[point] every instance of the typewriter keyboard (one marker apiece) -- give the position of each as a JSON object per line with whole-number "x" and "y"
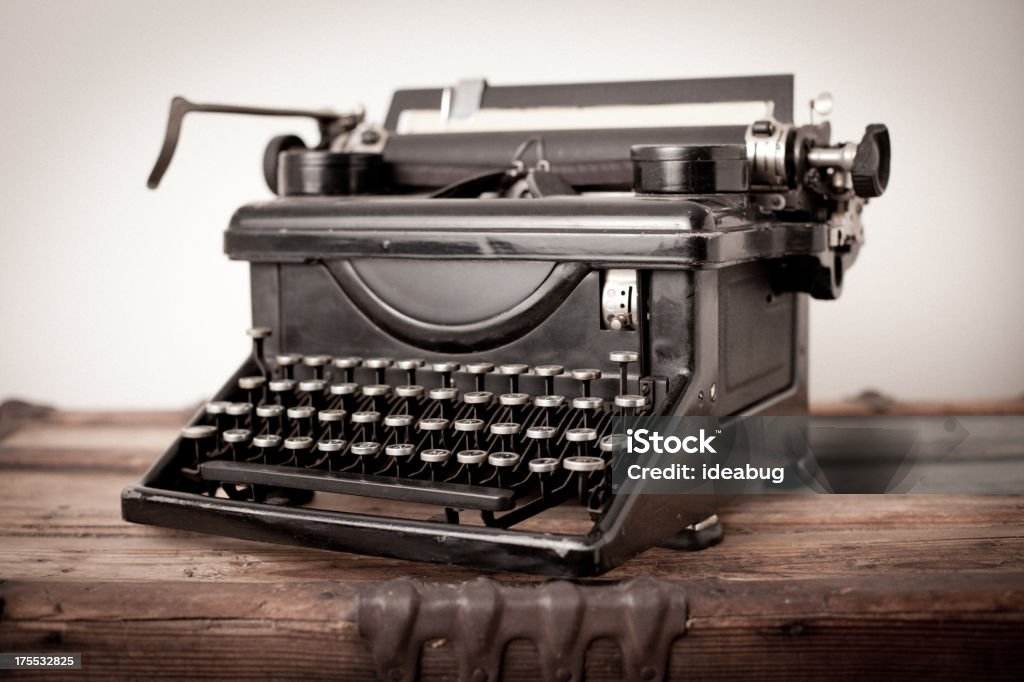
{"x": 462, "y": 436}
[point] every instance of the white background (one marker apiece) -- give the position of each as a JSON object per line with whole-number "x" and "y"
{"x": 115, "y": 296}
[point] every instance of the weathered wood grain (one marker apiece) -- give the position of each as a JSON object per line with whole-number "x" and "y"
{"x": 803, "y": 587}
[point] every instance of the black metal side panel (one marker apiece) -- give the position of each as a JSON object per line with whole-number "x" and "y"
{"x": 757, "y": 336}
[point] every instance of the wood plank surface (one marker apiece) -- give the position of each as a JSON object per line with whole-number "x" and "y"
{"x": 803, "y": 587}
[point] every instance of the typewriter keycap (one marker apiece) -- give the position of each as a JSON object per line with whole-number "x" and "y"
{"x": 347, "y": 388}
{"x": 348, "y": 366}
{"x": 398, "y": 420}
{"x": 613, "y": 443}
{"x": 254, "y": 385}
{"x": 267, "y": 440}
{"x": 376, "y": 390}
{"x": 400, "y": 450}
{"x": 298, "y": 443}
{"x": 237, "y": 435}
{"x": 514, "y": 398}
{"x": 331, "y": 445}
{"x": 478, "y": 398}
{"x": 379, "y": 366}
{"x": 271, "y": 416}
{"x": 505, "y": 428}
{"x": 366, "y": 417}
{"x": 446, "y": 393}
{"x": 332, "y": 422}
{"x": 282, "y": 391}
{"x": 623, "y": 358}
{"x": 216, "y": 407}
{"x": 433, "y": 424}
{"x": 301, "y": 412}
{"x": 513, "y": 372}
{"x": 259, "y": 335}
{"x": 471, "y": 456}
{"x": 503, "y": 459}
{"x": 585, "y": 376}
{"x": 549, "y": 372}
{"x": 365, "y": 448}
{"x": 198, "y": 432}
{"x": 541, "y": 432}
{"x": 630, "y": 402}
{"x": 469, "y": 425}
{"x": 549, "y": 401}
{"x": 409, "y": 391}
{"x": 588, "y": 403}
{"x": 581, "y": 435}
{"x": 332, "y": 415}
{"x": 314, "y": 388}
{"x": 445, "y": 369}
{"x": 435, "y": 455}
{"x": 410, "y": 366}
{"x": 583, "y": 464}
{"x": 317, "y": 364}
{"x": 479, "y": 370}
{"x": 286, "y": 362}
{"x": 543, "y": 465}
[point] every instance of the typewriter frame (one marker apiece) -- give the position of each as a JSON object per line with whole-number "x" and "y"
{"x": 693, "y": 251}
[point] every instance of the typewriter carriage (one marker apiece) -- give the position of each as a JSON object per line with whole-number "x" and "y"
{"x": 728, "y": 227}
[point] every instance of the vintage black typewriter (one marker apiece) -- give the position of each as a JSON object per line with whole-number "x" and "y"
{"x": 450, "y": 308}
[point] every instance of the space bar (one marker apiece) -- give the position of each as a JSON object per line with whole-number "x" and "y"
{"x": 457, "y": 495}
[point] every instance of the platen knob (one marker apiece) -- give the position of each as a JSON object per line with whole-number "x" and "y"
{"x": 870, "y": 171}
{"x": 690, "y": 169}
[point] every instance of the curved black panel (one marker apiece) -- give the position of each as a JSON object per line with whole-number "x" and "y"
{"x": 483, "y": 334}
{"x": 453, "y": 291}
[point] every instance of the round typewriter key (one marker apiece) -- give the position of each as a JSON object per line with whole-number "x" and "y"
{"x": 409, "y": 391}
{"x": 298, "y": 443}
{"x": 312, "y": 385}
{"x": 347, "y": 388}
{"x": 259, "y": 332}
{"x": 630, "y": 400}
{"x": 513, "y": 369}
{"x": 445, "y": 369}
{"x": 259, "y": 336}
{"x": 444, "y": 393}
{"x": 410, "y": 366}
{"x": 287, "y": 362}
{"x": 503, "y": 459}
{"x": 581, "y": 435}
{"x": 588, "y": 403}
{"x": 237, "y": 435}
{"x": 479, "y": 369}
{"x": 585, "y": 376}
{"x": 541, "y": 432}
{"x": 198, "y": 432}
{"x": 468, "y": 424}
{"x": 433, "y": 424}
{"x": 549, "y": 401}
{"x": 623, "y": 356}
{"x": 348, "y": 364}
{"x": 282, "y": 391}
{"x": 217, "y": 407}
{"x": 583, "y": 464}
{"x": 543, "y": 465}
{"x": 434, "y": 455}
{"x": 478, "y": 397}
{"x": 316, "y": 360}
{"x": 331, "y": 415}
{"x": 238, "y": 411}
{"x": 366, "y": 447}
{"x": 398, "y": 420}
{"x": 379, "y": 365}
{"x": 267, "y": 440}
{"x": 251, "y": 383}
{"x": 505, "y": 428}
{"x": 366, "y": 417}
{"x": 549, "y": 372}
{"x": 471, "y": 456}
{"x": 613, "y": 443}
{"x": 301, "y": 412}
{"x": 331, "y": 445}
{"x": 400, "y": 450}
{"x": 514, "y": 398}
{"x": 269, "y": 411}
{"x": 376, "y": 390}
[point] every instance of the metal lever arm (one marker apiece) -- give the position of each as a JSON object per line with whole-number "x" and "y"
{"x": 329, "y": 122}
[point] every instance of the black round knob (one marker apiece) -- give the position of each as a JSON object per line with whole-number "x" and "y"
{"x": 870, "y": 171}
{"x": 313, "y": 172}
{"x": 690, "y": 169}
{"x": 281, "y": 143}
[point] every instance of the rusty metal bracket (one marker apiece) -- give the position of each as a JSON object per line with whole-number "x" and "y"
{"x": 479, "y": 618}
